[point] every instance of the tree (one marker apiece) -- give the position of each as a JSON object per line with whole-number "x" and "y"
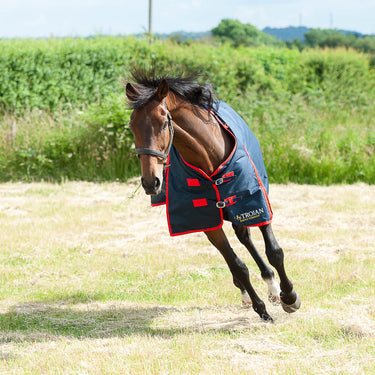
{"x": 366, "y": 44}
{"x": 331, "y": 38}
{"x": 237, "y": 33}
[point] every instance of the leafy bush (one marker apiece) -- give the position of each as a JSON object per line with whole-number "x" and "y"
{"x": 312, "y": 110}
{"x": 95, "y": 145}
{"x": 109, "y": 133}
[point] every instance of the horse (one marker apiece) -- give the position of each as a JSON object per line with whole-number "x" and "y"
{"x": 177, "y": 125}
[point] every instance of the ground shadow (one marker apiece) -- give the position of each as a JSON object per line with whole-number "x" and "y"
{"x": 40, "y": 321}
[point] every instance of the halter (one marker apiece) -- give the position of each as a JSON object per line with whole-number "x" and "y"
{"x": 160, "y": 154}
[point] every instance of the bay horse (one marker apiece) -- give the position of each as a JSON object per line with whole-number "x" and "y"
{"x": 177, "y": 126}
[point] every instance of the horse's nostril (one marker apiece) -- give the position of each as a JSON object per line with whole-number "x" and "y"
{"x": 156, "y": 183}
{"x": 151, "y": 187}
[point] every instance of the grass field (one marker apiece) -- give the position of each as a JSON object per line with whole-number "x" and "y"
{"x": 91, "y": 283}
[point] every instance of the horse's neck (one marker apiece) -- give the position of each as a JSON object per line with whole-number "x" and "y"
{"x": 200, "y": 140}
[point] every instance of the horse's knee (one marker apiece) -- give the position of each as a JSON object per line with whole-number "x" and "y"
{"x": 275, "y": 256}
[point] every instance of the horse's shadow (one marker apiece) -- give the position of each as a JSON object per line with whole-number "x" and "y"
{"x": 41, "y": 321}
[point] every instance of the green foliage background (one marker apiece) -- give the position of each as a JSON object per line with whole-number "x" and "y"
{"x": 63, "y": 113}
{"x": 237, "y": 33}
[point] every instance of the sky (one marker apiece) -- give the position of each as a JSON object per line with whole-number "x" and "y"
{"x": 45, "y": 18}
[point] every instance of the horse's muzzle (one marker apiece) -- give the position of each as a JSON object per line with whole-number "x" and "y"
{"x": 151, "y": 187}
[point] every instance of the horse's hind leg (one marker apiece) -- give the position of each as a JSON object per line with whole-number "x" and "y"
{"x": 243, "y": 234}
{"x": 238, "y": 269}
{"x": 289, "y": 299}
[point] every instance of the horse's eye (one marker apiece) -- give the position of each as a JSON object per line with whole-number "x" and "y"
{"x": 165, "y": 124}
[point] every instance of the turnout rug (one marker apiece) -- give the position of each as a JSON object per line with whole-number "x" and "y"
{"x": 237, "y": 191}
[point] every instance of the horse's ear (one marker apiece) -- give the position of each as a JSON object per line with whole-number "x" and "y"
{"x": 163, "y": 89}
{"x": 131, "y": 92}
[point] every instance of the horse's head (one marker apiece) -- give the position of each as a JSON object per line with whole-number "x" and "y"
{"x": 152, "y": 128}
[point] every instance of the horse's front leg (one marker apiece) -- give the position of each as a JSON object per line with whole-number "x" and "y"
{"x": 243, "y": 234}
{"x": 289, "y": 299}
{"x": 239, "y": 270}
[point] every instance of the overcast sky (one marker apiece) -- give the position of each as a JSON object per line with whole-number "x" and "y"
{"x": 43, "y": 18}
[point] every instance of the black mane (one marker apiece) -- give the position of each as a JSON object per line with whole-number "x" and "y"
{"x": 186, "y": 87}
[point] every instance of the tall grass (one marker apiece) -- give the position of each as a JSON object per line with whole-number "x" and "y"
{"x": 93, "y": 145}
{"x": 64, "y": 116}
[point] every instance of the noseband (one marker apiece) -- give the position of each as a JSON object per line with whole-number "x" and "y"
{"x": 160, "y": 154}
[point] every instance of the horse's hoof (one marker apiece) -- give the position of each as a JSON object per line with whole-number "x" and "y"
{"x": 267, "y": 318}
{"x": 293, "y": 307}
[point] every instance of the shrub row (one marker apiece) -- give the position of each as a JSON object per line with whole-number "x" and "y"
{"x": 55, "y": 73}
{"x": 312, "y": 110}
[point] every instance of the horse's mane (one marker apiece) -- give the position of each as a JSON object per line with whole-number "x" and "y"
{"x": 186, "y": 87}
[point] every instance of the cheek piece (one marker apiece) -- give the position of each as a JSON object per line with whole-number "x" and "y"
{"x": 160, "y": 154}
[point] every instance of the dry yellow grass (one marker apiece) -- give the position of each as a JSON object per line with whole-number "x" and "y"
{"x": 91, "y": 283}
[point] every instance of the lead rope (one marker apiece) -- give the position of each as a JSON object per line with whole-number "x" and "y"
{"x": 132, "y": 195}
